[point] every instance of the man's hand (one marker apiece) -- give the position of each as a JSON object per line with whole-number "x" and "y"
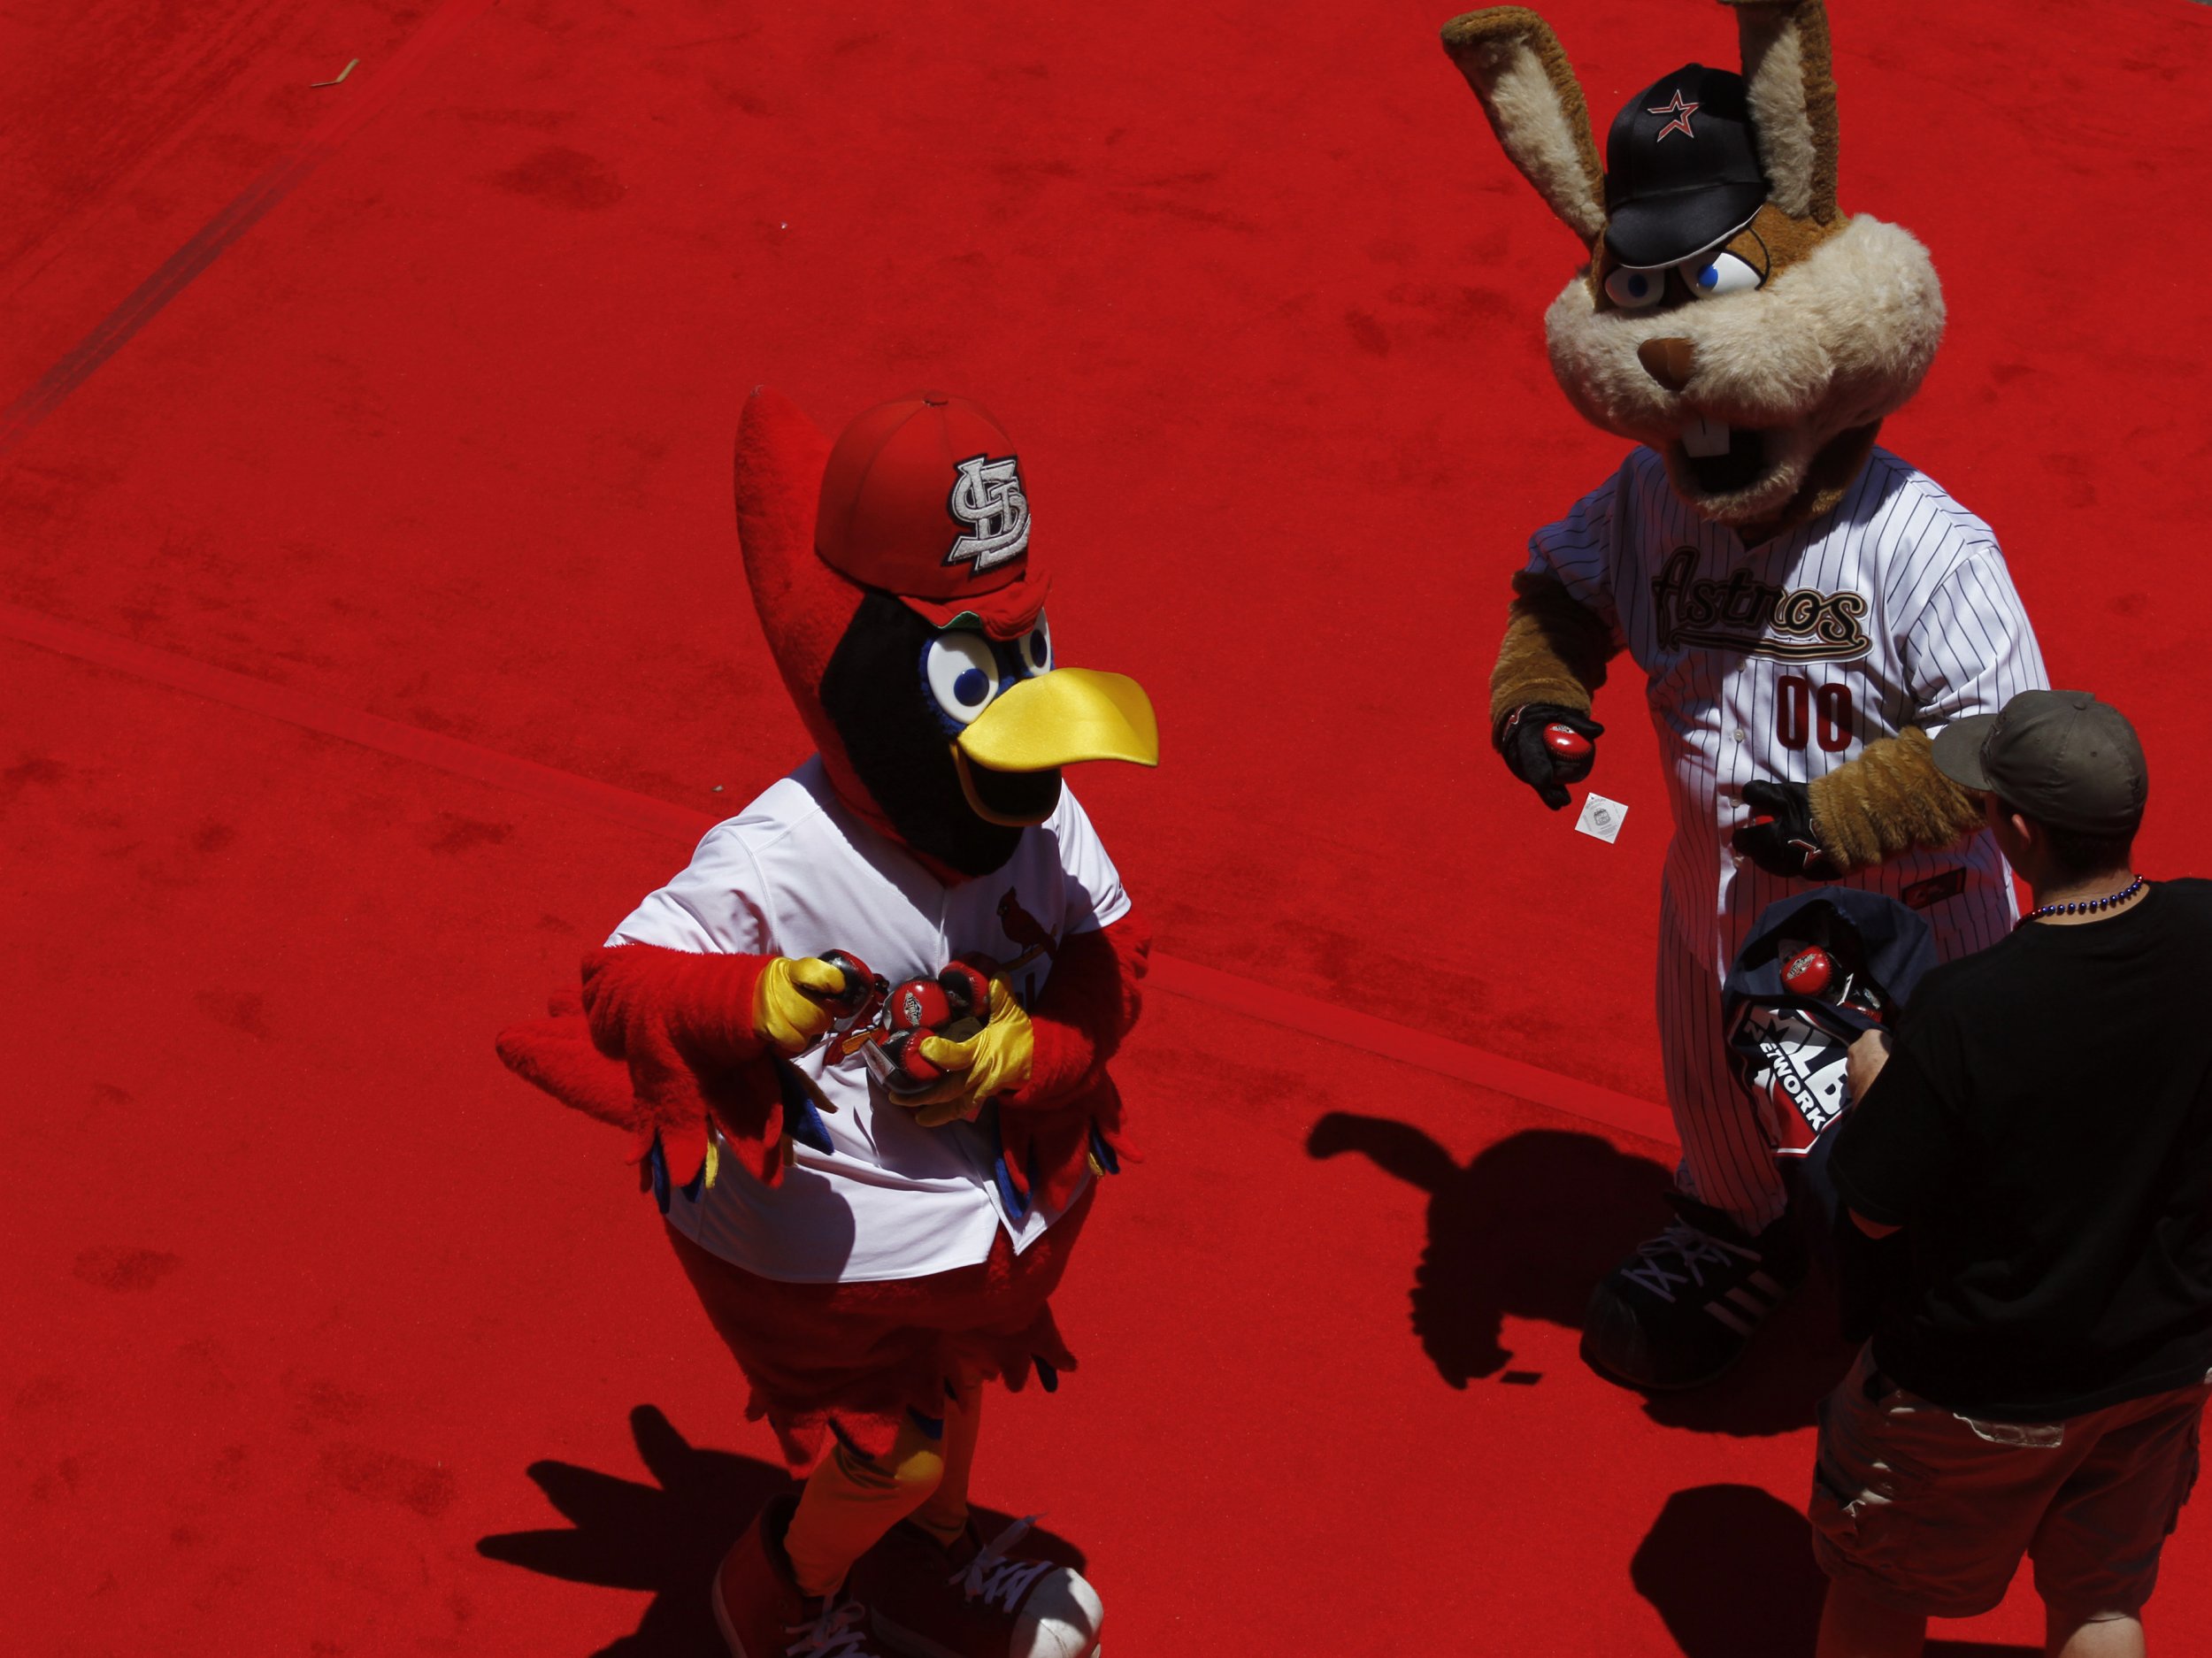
{"x": 1780, "y": 838}
{"x": 1548, "y": 746}
{"x": 792, "y": 1003}
{"x": 1869, "y": 1054}
{"x": 995, "y": 1058}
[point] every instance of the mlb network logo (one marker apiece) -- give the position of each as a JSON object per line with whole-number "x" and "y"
{"x": 1796, "y": 1070}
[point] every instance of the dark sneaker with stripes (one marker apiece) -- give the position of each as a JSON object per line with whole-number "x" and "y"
{"x": 1682, "y": 1310}
{"x": 760, "y": 1611}
{"x": 978, "y": 1599}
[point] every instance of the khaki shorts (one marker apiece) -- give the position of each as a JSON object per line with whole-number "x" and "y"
{"x": 1926, "y": 1511}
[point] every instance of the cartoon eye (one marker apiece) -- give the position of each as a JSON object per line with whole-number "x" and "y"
{"x": 1036, "y": 646}
{"x": 962, "y": 674}
{"x": 1632, "y": 290}
{"x": 1718, "y": 273}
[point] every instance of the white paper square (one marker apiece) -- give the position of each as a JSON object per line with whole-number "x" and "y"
{"x": 1602, "y": 817}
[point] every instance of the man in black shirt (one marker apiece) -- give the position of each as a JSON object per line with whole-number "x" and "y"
{"x": 2041, "y": 1135}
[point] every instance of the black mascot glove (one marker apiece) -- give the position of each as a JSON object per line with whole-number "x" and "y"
{"x": 1548, "y": 746}
{"x": 1780, "y": 838}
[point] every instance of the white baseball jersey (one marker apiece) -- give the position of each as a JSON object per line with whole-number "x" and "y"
{"x": 796, "y": 874}
{"x": 1780, "y": 663}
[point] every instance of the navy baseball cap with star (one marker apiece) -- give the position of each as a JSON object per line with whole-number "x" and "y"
{"x": 1681, "y": 168}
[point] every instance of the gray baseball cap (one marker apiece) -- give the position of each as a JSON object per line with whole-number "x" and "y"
{"x": 2060, "y": 758}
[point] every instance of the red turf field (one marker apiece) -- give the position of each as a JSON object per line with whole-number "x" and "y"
{"x": 371, "y": 635}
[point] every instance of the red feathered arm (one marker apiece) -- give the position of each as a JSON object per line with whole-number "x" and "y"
{"x": 660, "y": 1041}
{"x": 1088, "y": 1005}
{"x": 683, "y": 1024}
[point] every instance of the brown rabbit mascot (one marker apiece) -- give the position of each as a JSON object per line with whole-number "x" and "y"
{"x": 1806, "y": 609}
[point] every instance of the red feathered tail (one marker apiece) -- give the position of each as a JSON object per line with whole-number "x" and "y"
{"x": 555, "y": 1054}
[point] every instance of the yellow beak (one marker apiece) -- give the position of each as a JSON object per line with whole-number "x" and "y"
{"x": 1062, "y": 717}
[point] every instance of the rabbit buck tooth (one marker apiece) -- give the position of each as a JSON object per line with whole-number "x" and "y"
{"x": 1706, "y": 438}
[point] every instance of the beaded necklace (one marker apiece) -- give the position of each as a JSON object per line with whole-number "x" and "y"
{"x": 2086, "y": 906}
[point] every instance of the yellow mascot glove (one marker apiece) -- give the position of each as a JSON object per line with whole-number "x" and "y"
{"x": 995, "y": 1059}
{"x": 791, "y": 1002}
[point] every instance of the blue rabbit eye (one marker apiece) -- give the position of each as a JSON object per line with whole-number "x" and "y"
{"x": 1719, "y": 273}
{"x": 1632, "y": 290}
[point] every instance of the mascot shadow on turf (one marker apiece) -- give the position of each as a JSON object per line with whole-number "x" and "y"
{"x": 1525, "y": 1226}
{"x": 1730, "y": 1570}
{"x": 665, "y": 1539}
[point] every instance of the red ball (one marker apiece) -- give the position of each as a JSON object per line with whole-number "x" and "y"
{"x": 920, "y": 1004}
{"x": 910, "y": 1071}
{"x": 967, "y": 990}
{"x": 858, "y": 981}
{"x": 1808, "y": 972}
{"x": 1566, "y": 743}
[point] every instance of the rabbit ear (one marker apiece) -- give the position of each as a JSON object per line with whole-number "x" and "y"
{"x": 1793, "y": 96}
{"x": 1528, "y": 90}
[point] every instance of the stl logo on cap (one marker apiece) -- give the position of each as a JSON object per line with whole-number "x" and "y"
{"x": 923, "y": 497}
{"x": 987, "y": 498}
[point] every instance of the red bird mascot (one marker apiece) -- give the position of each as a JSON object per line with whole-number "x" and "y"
{"x": 873, "y": 1190}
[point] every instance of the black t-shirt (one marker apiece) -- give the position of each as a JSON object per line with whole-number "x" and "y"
{"x": 2044, "y": 1133}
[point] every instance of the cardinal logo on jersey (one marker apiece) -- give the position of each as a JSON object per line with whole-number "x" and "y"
{"x": 1034, "y": 940}
{"x": 987, "y": 498}
{"x": 1756, "y": 618}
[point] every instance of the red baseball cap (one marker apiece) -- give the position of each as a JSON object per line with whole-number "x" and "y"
{"x": 923, "y": 497}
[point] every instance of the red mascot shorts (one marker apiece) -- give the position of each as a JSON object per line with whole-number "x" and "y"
{"x": 855, "y": 1358}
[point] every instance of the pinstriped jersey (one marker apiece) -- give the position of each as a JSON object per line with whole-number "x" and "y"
{"x": 1781, "y": 661}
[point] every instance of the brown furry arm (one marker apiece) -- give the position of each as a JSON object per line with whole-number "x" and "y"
{"x": 1888, "y": 801}
{"x": 1555, "y": 650}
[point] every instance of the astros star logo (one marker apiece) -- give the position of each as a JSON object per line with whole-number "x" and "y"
{"x": 1681, "y": 113}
